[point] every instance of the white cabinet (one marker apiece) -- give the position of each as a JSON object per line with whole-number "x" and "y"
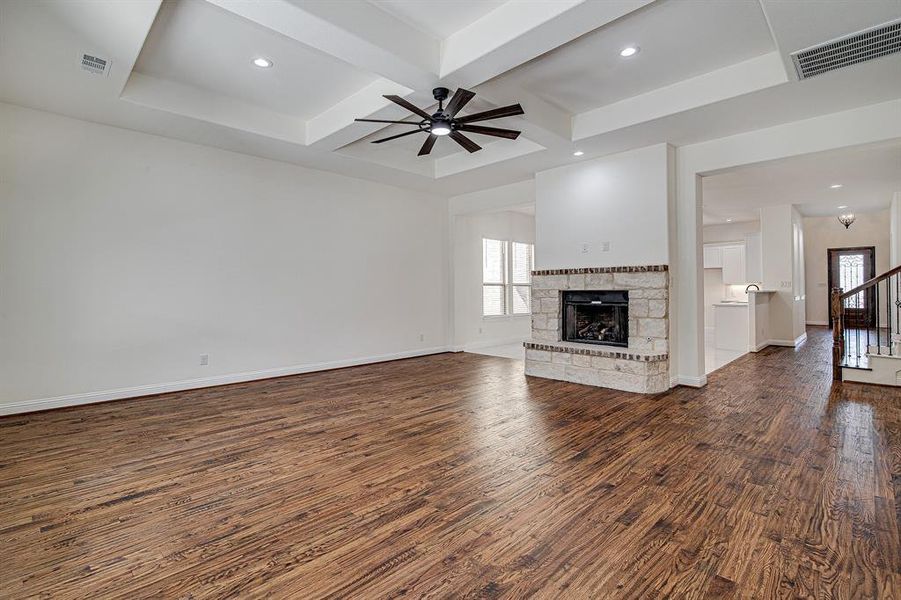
{"x": 731, "y": 330}
{"x": 733, "y": 259}
{"x": 734, "y": 265}
{"x": 713, "y": 257}
{"x": 753, "y": 258}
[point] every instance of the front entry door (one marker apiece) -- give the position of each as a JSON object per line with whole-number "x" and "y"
{"x": 848, "y": 268}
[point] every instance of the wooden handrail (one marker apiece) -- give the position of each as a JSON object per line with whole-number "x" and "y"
{"x": 838, "y": 333}
{"x": 837, "y": 311}
{"x": 870, "y": 283}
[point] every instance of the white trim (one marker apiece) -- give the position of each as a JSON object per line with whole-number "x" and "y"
{"x": 826, "y": 323}
{"x": 690, "y": 381}
{"x": 762, "y": 345}
{"x": 190, "y": 384}
{"x": 790, "y": 343}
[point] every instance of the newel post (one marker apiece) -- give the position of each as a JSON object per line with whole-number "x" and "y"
{"x": 838, "y": 333}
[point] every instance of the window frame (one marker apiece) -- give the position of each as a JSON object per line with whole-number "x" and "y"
{"x": 502, "y": 284}
{"x": 508, "y": 286}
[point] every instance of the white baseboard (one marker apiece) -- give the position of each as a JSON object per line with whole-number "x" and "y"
{"x": 689, "y": 381}
{"x": 761, "y": 346}
{"x": 489, "y": 343}
{"x": 26, "y": 406}
{"x": 790, "y": 343}
{"x": 825, "y": 323}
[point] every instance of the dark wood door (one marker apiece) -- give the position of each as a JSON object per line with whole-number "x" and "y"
{"x": 848, "y": 268}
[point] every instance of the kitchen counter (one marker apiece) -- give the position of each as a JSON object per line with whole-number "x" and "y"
{"x": 740, "y": 304}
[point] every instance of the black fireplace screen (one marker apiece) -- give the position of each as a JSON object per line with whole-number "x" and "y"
{"x": 600, "y": 317}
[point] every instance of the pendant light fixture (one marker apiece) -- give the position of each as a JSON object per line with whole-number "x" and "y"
{"x": 846, "y": 219}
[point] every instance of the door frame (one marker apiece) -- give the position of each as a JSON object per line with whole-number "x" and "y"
{"x": 829, "y": 279}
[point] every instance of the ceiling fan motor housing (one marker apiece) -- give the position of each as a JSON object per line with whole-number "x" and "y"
{"x": 440, "y": 93}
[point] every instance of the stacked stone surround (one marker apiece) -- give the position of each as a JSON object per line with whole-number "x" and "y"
{"x": 643, "y": 366}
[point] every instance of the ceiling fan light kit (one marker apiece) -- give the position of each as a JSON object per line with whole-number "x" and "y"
{"x": 444, "y": 122}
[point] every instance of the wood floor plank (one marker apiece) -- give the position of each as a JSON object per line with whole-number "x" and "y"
{"x": 456, "y": 476}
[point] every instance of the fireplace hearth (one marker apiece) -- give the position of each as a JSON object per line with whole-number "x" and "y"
{"x": 596, "y": 317}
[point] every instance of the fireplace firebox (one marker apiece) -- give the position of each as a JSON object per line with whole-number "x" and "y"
{"x": 596, "y": 317}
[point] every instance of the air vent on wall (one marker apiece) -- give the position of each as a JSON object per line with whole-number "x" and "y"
{"x": 849, "y": 50}
{"x": 94, "y": 64}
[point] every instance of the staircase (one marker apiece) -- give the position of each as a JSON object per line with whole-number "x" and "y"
{"x": 866, "y": 331}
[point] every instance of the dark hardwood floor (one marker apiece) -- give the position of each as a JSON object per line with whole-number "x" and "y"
{"x": 455, "y": 476}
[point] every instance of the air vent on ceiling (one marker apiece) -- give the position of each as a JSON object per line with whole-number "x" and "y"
{"x": 94, "y": 64}
{"x": 849, "y": 50}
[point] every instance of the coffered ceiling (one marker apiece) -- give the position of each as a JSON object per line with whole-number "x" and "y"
{"x": 183, "y": 69}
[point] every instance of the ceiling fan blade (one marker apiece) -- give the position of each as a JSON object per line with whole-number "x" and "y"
{"x": 468, "y": 144}
{"x": 386, "y": 121}
{"x": 461, "y": 97}
{"x": 496, "y": 113}
{"x": 410, "y": 107}
{"x": 394, "y": 137}
{"x": 427, "y": 145}
{"x": 510, "y": 134}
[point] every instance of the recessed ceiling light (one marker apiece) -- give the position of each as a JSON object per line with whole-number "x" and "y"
{"x": 263, "y": 63}
{"x": 835, "y": 186}
{"x": 843, "y": 206}
{"x": 728, "y": 220}
{"x": 629, "y": 51}
{"x": 578, "y": 153}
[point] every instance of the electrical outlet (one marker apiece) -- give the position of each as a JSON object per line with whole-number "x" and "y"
{"x": 586, "y": 248}
{"x": 421, "y": 337}
{"x": 605, "y": 246}
{"x": 204, "y": 359}
{"x": 480, "y": 330}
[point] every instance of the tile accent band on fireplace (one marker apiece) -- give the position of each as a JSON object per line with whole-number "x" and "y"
{"x": 573, "y": 348}
{"x": 592, "y": 270}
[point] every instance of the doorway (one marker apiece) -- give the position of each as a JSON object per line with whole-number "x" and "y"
{"x": 849, "y": 268}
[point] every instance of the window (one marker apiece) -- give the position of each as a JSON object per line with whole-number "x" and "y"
{"x": 506, "y": 278}
{"x": 850, "y": 275}
{"x": 494, "y": 278}
{"x": 521, "y": 279}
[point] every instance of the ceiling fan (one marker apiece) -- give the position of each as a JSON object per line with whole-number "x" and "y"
{"x": 445, "y": 121}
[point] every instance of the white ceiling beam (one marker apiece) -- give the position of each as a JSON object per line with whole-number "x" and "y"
{"x": 735, "y": 80}
{"x": 517, "y": 32}
{"x": 544, "y": 122}
{"x": 488, "y": 155}
{"x": 190, "y": 101}
{"x": 332, "y": 127}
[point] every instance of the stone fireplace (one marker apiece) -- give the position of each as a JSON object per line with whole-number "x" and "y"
{"x": 606, "y": 326}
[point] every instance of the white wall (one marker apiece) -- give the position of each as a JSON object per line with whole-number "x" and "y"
{"x": 622, "y": 199}
{"x": 471, "y": 330}
{"x": 776, "y": 242}
{"x": 124, "y": 256}
{"x": 822, "y": 233}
